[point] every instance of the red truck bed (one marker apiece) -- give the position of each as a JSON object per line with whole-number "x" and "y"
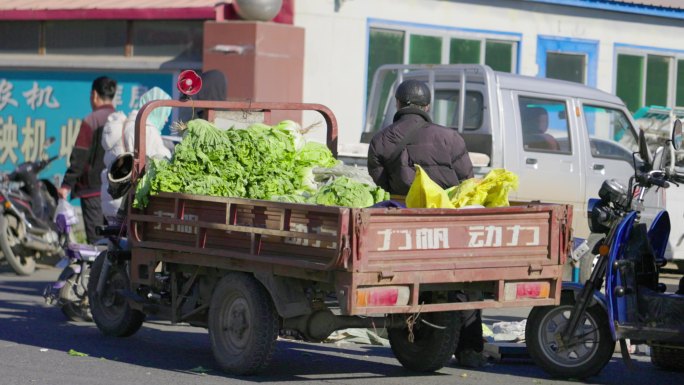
{"x": 516, "y": 252}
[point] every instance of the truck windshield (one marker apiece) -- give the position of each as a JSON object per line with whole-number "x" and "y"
{"x": 611, "y": 134}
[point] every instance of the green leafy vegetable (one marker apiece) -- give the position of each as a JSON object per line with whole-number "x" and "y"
{"x": 259, "y": 162}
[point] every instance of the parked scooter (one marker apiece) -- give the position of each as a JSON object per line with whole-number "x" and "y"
{"x": 69, "y": 292}
{"x": 578, "y": 338}
{"x": 27, "y": 231}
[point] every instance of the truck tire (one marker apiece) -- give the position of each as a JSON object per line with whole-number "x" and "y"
{"x": 21, "y": 264}
{"x": 668, "y": 358}
{"x": 581, "y": 360}
{"x": 243, "y": 324}
{"x": 111, "y": 312}
{"x": 432, "y": 346}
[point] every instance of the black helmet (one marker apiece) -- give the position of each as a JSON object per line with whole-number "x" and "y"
{"x": 413, "y": 92}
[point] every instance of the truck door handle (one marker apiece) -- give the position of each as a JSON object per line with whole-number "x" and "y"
{"x": 598, "y": 167}
{"x": 530, "y": 161}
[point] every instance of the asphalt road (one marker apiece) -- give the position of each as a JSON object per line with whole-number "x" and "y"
{"x": 35, "y": 341}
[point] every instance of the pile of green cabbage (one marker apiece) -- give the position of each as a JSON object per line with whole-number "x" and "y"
{"x": 259, "y": 162}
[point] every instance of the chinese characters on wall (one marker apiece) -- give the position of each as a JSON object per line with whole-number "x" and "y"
{"x": 32, "y": 110}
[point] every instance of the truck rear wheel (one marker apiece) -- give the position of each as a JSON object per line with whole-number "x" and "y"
{"x": 243, "y": 324}
{"x": 110, "y": 310}
{"x": 434, "y": 338}
{"x": 668, "y": 358}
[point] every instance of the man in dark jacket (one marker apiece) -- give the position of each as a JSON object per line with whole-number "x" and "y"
{"x": 414, "y": 139}
{"x": 441, "y": 152}
{"x": 82, "y": 178}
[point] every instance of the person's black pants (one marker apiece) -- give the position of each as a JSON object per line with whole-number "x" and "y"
{"x": 92, "y": 217}
{"x": 470, "y": 336}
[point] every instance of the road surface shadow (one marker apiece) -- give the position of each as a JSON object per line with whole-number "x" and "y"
{"x": 26, "y": 320}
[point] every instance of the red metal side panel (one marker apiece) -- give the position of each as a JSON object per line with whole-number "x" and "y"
{"x": 287, "y": 234}
{"x": 439, "y": 239}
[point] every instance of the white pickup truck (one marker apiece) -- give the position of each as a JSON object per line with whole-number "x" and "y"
{"x": 562, "y": 139}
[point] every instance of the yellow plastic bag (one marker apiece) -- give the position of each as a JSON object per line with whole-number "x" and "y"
{"x": 490, "y": 191}
{"x": 467, "y": 193}
{"x": 425, "y": 193}
{"x": 502, "y": 182}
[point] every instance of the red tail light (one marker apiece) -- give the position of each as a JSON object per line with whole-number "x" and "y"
{"x": 382, "y": 296}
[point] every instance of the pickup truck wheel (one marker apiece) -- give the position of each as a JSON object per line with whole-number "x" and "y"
{"x": 243, "y": 324}
{"x": 21, "y": 264}
{"x": 580, "y": 359}
{"x": 668, "y": 358}
{"x": 432, "y": 346}
{"x": 111, "y": 312}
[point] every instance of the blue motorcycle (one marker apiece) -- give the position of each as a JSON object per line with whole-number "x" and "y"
{"x": 577, "y": 338}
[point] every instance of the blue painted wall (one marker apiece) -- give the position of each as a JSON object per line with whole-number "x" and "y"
{"x": 35, "y": 105}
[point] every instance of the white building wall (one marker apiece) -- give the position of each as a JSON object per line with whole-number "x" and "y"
{"x": 337, "y": 41}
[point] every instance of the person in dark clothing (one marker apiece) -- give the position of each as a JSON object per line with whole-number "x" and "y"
{"x": 214, "y": 87}
{"x": 82, "y": 178}
{"x": 413, "y": 139}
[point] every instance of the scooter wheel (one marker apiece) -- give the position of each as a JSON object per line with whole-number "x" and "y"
{"x": 21, "y": 264}
{"x": 111, "y": 312}
{"x": 74, "y": 307}
{"x": 584, "y": 357}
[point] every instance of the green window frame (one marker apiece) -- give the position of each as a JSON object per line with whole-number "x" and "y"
{"x": 657, "y": 77}
{"x": 650, "y": 79}
{"x": 385, "y": 46}
{"x": 425, "y": 49}
{"x": 630, "y": 80}
{"x": 497, "y": 54}
{"x": 500, "y": 55}
{"x": 392, "y": 45}
{"x": 566, "y": 66}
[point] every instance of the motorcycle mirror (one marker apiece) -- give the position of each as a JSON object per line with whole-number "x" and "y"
{"x": 644, "y": 153}
{"x": 677, "y": 134}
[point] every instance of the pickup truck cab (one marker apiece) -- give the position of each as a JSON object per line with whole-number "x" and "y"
{"x": 562, "y": 139}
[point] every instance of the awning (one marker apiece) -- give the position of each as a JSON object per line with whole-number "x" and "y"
{"x": 127, "y": 10}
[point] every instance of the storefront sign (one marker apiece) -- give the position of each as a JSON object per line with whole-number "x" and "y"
{"x": 36, "y": 105}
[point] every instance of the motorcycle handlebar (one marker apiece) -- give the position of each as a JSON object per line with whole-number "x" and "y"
{"x": 660, "y": 182}
{"x": 40, "y": 165}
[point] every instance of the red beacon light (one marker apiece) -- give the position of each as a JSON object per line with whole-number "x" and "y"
{"x": 189, "y": 83}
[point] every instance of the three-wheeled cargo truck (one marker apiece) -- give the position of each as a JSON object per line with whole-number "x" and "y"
{"x": 248, "y": 269}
